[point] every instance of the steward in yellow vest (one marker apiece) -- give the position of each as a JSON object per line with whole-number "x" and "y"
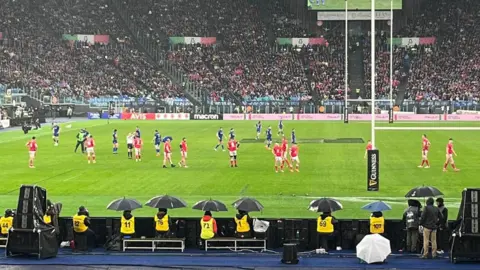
{"x": 377, "y": 223}
{"x": 49, "y": 213}
{"x": 6, "y": 222}
{"x": 208, "y": 226}
{"x": 242, "y": 221}
{"x": 81, "y": 224}
{"x": 326, "y": 230}
{"x": 127, "y": 224}
{"x": 162, "y": 223}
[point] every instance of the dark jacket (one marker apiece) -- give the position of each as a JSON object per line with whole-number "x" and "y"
{"x": 443, "y": 222}
{"x": 430, "y": 217}
{"x": 87, "y": 219}
{"x": 411, "y": 217}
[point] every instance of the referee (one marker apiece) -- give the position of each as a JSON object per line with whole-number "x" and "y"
{"x": 130, "y": 137}
{"x": 81, "y": 137}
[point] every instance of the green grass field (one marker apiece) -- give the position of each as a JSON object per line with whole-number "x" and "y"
{"x": 328, "y": 169}
{"x": 354, "y": 4}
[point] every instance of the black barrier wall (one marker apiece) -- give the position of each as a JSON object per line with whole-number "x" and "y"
{"x": 303, "y": 232}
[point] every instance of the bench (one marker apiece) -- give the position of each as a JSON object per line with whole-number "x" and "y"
{"x": 3, "y": 242}
{"x": 153, "y": 243}
{"x": 235, "y": 242}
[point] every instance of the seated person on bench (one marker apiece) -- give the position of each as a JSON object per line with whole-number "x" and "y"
{"x": 6, "y": 223}
{"x": 208, "y": 225}
{"x": 127, "y": 226}
{"x": 81, "y": 223}
{"x": 47, "y": 218}
{"x": 243, "y": 222}
{"x": 162, "y": 223}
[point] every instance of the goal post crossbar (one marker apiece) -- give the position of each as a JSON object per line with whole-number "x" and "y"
{"x": 428, "y": 128}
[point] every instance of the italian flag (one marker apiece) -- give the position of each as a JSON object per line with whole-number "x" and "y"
{"x": 91, "y": 39}
{"x": 412, "y": 41}
{"x": 301, "y": 41}
{"x": 193, "y": 40}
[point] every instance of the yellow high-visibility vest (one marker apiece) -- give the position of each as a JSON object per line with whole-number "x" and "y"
{"x": 161, "y": 224}
{"x": 377, "y": 225}
{"x": 79, "y": 223}
{"x": 242, "y": 224}
{"x": 325, "y": 225}
{"x": 207, "y": 229}
{"x": 127, "y": 226}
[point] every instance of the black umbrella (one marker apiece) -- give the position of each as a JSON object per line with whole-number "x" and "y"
{"x": 167, "y": 202}
{"x": 325, "y": 205}
{"x": 248, "y": 205}
{"x": 423, "y": 191}
{"x": 210, "y": 205}
{"x": 124, "y": 205}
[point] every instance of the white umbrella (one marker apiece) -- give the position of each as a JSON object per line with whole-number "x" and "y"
{"x": 373, "y": 248}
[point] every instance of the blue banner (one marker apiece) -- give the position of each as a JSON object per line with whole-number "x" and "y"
{"x": 104, "y": 115}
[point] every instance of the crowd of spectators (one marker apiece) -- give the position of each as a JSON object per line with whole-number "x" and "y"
{"x": 242, "y": 65}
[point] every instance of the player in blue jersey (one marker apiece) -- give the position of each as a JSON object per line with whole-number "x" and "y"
{"x": 231, "y": 133}
{"x": 280, "y": 128}
{"x": 115, "y": 141}
{"x": 294, "y": 137}
{"x": 259, "y": 129}
{"x": 220, "y": 140}
{"x": 137, "y": 132}
{"x": 268, "y": 133}
{"x": 55, "y": 133}
{"x": 157, "y": 140}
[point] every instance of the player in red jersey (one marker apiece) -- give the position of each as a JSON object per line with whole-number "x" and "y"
{"x": 285, "y": 152}
{"x": 278, "y": 154}
{"x": 450, "y": 153}
{"x": 32, "y": 151}
{"x": 137, "y": 145}
{"x": 232, "y": 148}
{"x": 294, "y": 157}
{"x": 167, "y": 154}
{"x": 368, "y": 147}
{"x": 90, "y": 146}
{"x": 183, "y": 152}
{"x": 425, "y": 148}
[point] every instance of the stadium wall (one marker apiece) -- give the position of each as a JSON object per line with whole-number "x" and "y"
{"x": 296, "y": 117}
{"x": 300, "y": 231}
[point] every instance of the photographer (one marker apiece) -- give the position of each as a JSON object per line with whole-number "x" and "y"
{"x": 81, "y": 224}
{"x": 6, "y": 222}
{"x": 26, "y": 128}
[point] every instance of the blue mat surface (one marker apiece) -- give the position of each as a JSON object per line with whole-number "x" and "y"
{"x": 342, "y": 260}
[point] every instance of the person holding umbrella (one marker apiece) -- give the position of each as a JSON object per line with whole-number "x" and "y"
{"x": 244, "y": 223}
{"x": 208, "y": 226}
{"x": 162, "y": 223}
{"x": 326, "y": 230}
{"x": 127, "y": 226}
{"x": 377, "y": 222}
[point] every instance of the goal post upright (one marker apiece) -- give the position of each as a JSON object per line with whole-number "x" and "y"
{"x": 372, "y": 78}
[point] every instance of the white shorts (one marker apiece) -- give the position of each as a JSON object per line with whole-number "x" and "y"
{"x": 184, "y": 154}
{"x": 296, "y": 159}
{"x": 450, "y": 156}
{"x": 285, "y": 155}
{"x": 167, "y": 155}
{"x": 157, "y": 146}
{"x": 233, "y": 153}
{"x": 278, "y": 158}
{"x": 90, "y": 150}
{"x": 424, "y": 153}
{"x": 138, "y": 151}
{"x": 32, "y": 153}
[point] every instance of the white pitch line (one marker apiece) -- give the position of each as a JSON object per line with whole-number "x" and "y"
{"x": 71, "y": 178}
